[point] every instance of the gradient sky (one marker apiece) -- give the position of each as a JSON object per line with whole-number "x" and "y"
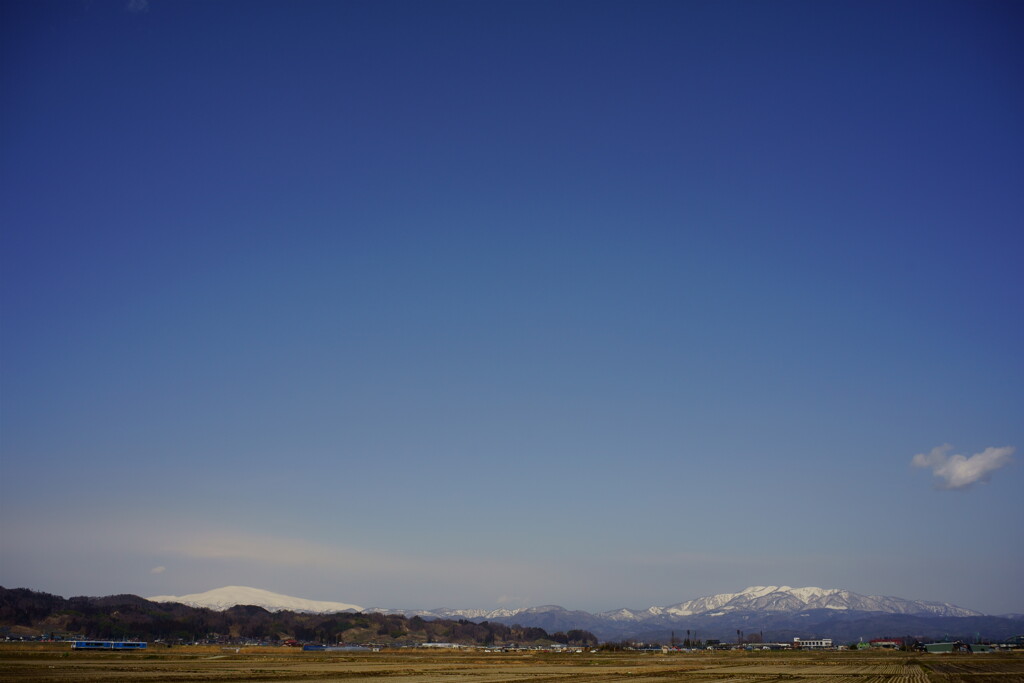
{"x": 600, "y": 304}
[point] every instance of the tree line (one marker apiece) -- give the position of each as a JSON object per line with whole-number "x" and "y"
{"x": 120, "y": 617}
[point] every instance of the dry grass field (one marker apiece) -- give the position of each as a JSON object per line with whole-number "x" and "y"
{"x": 53, "y": 663}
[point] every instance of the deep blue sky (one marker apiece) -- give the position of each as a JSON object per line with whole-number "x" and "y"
{"x": 600, "y": 304}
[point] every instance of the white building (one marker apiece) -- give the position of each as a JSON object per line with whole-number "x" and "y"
{"x": 812, "y": 644}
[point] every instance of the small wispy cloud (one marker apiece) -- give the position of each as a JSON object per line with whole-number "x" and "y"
{"x": 283, "y": 553}
{"x": 137, "y": 6}
{"x": 958, "y": 471}
{"x": 158, "y": 570}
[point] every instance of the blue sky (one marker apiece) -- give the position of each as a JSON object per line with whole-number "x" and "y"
{"x": 600, "y": 304}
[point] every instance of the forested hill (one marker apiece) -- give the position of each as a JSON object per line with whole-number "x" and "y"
{"x": 27, "y": 612}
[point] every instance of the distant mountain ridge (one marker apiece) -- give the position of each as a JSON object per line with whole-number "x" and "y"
{"x": 787, "y": 599}
{"x": 751, "y": 599}
{"x": 779, "y": 612}
{"x": 221, "y": 599}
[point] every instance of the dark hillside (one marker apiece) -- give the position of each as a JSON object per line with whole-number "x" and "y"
{"x": 132, "y": 617}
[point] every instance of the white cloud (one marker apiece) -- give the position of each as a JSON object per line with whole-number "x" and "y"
{"x": 158, "y": 570}
{"x": 137, "y": 6}
{"x": 959, "y": 472}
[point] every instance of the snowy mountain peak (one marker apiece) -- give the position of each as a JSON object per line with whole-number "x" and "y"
{"x": 229, "y": 596}
{"x": 789, "y": 599}
{"x": 751, "y": 599}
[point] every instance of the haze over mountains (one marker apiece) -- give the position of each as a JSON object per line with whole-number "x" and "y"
{"x": 781, "y": 609}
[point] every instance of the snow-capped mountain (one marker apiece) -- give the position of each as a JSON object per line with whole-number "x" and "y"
{"x": 787, "y": 599}
{"x": 229, "y": 596}
{"x": 777, "y": 611}
{"x": 752, "y": 599}
{"x": 453, "y": 613}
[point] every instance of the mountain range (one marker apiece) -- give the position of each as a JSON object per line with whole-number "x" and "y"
{"x": 752, "y": 599}
{"x": 780, "y": 610}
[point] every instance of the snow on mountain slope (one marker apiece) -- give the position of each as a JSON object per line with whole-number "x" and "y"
{"x": 788, "y": 599}
{"x": 224, "y": 598}
{"x": 777, "y": 599}
{"x": 449, "y": 613}
{"x": 633, "y": 614}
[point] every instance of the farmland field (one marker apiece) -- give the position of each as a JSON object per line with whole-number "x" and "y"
{"x": 53, "y": 663}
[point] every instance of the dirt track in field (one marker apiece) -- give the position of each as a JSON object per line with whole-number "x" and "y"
{"x": 57, "y": 664}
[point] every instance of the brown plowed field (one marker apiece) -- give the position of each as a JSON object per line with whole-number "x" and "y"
{"x": 55, "y": 663}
